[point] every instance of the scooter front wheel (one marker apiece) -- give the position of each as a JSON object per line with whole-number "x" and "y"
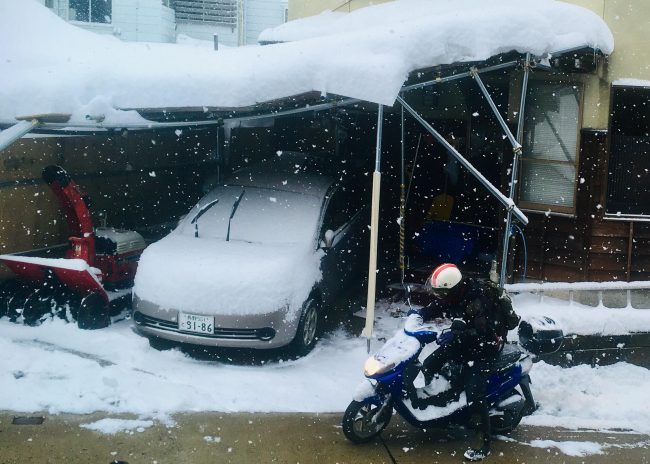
{"x": 363, "y": 421}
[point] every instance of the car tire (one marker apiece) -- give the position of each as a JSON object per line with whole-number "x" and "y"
{"x": 309, "y": 329}
{"x": 93, "y": 313}
{"x": 160, "y": 344}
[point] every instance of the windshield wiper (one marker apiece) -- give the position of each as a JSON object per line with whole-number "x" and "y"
{"x": 202, "y": 210}
{"x": 232, "y": 213}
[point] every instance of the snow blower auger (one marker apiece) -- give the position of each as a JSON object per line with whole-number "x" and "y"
{"x": 96, "y": 269}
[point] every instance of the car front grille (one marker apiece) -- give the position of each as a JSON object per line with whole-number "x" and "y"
{"x": 266, "y": 333}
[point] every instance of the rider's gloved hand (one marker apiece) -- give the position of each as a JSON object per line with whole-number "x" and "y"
{"x": 445, "y": 338}
{"x": 458, "y": 326}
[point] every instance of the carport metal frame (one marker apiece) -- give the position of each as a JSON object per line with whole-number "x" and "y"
{"x": 10, "y": 135}
{"x": 508, "y": 202}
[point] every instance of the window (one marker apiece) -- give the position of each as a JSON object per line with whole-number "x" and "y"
{"x": 628, "y": 173}
{"x": 336, "y": 214}
{"x": 550, "y": 145}
{"x": 346, "y": 201}
{"x": 91, "y": 11}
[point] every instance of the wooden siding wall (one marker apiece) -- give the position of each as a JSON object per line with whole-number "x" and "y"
{"x": 586, "y": 247}
{"x": 140, "y": 179}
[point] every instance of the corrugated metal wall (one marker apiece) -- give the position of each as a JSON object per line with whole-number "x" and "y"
{"x": 261, "y": 14}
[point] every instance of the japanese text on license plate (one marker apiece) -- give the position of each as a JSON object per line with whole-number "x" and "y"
{"x": 195, "y": 323}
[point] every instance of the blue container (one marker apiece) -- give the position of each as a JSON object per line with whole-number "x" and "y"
{"x": 448, "y": 241}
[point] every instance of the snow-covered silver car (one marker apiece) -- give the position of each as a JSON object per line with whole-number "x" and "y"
{"x": 257, "y": 262}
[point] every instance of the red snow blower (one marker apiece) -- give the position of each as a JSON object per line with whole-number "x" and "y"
{"x": 95, "y": 270}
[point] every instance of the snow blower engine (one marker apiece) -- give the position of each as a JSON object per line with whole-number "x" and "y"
{"x": 97, "y": 268}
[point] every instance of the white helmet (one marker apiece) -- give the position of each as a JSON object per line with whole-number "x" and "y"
{"x": 445, "y": 277}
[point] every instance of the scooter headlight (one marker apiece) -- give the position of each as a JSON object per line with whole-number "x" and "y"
{"x": 374, "y": 366}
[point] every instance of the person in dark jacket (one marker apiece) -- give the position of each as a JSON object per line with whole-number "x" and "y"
{"x": 473, "y": 341}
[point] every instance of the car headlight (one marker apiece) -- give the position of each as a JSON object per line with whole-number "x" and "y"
{"x": 374, "y": 366}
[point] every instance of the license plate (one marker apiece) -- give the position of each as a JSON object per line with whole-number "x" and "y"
{"x": 195, "y": 323}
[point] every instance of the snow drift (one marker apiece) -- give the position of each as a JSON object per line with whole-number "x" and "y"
{"x": 70, "y": 67}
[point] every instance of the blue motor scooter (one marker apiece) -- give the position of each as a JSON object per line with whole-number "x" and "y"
{"x": 385, "y": 388}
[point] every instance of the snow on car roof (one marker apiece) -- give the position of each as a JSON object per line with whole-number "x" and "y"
{"x": 51, "y": 66}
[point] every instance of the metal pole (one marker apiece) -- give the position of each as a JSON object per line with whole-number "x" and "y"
{"x": 515, "y": 170}
{"x": 13, "y": 133}
{"x": 462, "y": 75}
{"x": 515, "y": 144}
{"x": 155, "y": 124}
{"x": 507, "y": 202}
{"x": 241, "y": 23}
{"x": 402, "y": 204}
{"x": 374, "y": 226}
{"x": 307, "y": 108}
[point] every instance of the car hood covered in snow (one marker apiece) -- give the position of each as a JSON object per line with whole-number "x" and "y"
{"x": 213, "y": 276}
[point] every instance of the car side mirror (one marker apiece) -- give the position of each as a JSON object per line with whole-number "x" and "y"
{"x": 328, "y": 238}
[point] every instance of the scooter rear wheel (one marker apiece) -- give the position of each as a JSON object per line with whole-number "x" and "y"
{"x": 508, "y": 420}
{"x": 361, "y": 423}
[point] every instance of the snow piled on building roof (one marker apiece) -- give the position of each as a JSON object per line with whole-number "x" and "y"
{"x": 51, "y": 66}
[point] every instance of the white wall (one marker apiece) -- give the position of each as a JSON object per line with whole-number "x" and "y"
{"x": 143, "y": 21}
{"x": 258, "y": 15}
{"x": 227, "y": 35}
{"x": 150, "y": 21}
{"x": 261, "y": 14}
{"x": 131, "y": 20}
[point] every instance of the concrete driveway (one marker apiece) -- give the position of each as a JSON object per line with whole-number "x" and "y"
{"x": 287, "y": 438}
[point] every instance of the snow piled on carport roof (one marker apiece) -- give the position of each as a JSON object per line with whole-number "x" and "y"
{"x": 538, "y": 25}
{"x": 51, "y": 66}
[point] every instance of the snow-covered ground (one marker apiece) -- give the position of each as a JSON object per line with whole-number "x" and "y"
{"x": 58, "y": 368}
{"x": 578, "y": 319}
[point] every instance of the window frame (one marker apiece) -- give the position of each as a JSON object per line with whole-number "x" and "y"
{"x": 547, "y": 207}
{"x": 90, "y": 14}
{"x": 355, "y": 201}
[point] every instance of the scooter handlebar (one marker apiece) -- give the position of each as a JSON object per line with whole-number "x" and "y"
{"x": 415, "y": 327}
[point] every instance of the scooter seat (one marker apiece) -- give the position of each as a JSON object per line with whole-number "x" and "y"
{"x": 508, "y": 356}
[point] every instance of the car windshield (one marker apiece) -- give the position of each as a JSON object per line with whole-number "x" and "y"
{"x": 263, "y": 216}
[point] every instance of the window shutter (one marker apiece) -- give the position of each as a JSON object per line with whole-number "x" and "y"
{"x": 550, "y": 144}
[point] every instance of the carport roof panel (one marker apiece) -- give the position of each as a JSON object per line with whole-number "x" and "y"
{"x": 366, "y": 54}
